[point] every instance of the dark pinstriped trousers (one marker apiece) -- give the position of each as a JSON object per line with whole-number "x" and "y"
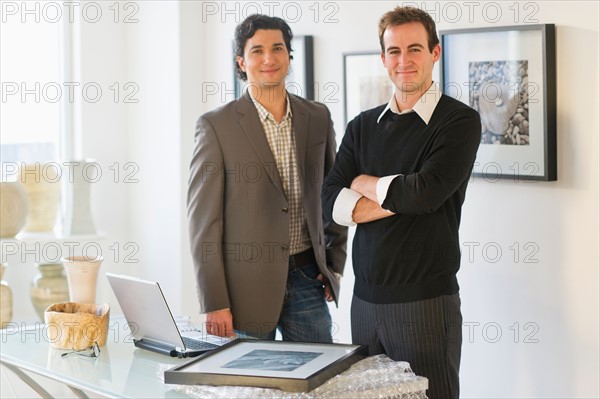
{"x": 427, "y": 334}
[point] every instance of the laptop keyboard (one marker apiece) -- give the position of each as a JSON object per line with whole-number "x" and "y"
{"x": 196, "y": 344}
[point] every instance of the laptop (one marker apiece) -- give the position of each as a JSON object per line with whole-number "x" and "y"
{"x": 151, "y": 321}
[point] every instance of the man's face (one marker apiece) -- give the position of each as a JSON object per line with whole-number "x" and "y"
{"x": 407, "y": 57}
{"x": 266, "y": 59}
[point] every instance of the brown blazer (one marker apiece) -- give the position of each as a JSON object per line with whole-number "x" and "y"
{"x": 238, "y": 221}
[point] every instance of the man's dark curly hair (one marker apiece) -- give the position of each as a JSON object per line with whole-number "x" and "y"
{"x": 248, "y": 28}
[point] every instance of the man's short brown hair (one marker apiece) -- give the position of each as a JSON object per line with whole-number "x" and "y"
{"x": 403, "y": 15}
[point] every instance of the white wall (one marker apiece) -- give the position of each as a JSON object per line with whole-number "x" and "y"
{"x": 142, "y": 208}
{"x": 547, "y": 312}
{"x": 154, "y": 135}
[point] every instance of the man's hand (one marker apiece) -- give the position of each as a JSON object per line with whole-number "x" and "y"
{"x": 366, "y": 186}
{"x": 326, "y": 286}
{"x": 220, "y": 323}
{"x": 367, "y": 211}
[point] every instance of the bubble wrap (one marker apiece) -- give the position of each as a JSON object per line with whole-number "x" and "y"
{"x": 373, "y": 377}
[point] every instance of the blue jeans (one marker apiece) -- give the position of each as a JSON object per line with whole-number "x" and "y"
{"x": 305, "y": 316}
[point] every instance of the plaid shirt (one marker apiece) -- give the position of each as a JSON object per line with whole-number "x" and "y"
{"x": 283, "y": 146}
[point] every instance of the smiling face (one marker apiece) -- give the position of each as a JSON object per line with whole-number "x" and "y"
{"x": 266, "y": 59}
{"x": 407, "y": 58}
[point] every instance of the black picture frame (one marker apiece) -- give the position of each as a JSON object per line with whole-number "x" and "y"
{"x": 289, "y": 366}
{"x": 366, "y": 83}
{"x": 301, "y": 77}
{"x": 508, "y": 74}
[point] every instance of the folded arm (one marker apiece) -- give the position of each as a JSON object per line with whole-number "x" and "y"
{"x": 348, "y": 197}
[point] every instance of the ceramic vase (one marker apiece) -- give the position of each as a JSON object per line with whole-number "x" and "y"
{"x": 6, "y": 299}
{"x": 78, "y": 215}
{"x": 42, "y": 184}
{"x": 82, "y": 277}
{"x": 49, "y": 286}
{"x": 13, "y": 208}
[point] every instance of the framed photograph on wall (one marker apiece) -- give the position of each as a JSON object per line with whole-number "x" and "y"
{"x": 366, "y": 83}
{"x": 507, "y": 74}
{"x": 301, "y": 76}
{"x": 289, "y": 366}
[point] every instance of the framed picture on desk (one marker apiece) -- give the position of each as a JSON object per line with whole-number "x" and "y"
{"x": 289, "y": 366}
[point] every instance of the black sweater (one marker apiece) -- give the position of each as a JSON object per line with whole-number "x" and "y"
{"x": 414, "y": 254}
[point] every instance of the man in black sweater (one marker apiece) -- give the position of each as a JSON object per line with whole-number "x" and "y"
{"x": 401, "y": 175}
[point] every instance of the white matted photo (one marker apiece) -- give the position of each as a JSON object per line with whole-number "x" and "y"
{"x": 507, "y": 74}
{"x": 366, "y": 83}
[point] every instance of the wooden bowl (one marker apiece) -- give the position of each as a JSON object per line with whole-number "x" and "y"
{"x": 77, "y": 326}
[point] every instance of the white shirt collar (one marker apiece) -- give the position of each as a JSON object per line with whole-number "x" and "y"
{"x": 262, "y": 111}
{"x": 424, "y": 106}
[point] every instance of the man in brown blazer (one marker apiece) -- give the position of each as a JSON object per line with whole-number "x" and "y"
{"x": 263, "y": 257}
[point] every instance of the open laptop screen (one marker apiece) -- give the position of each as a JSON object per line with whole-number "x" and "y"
{"x": 146, "y": 310}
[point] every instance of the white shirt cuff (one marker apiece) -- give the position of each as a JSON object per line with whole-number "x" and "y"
{"x": 383, "y": 185}
{"x": 344, "y": 206}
